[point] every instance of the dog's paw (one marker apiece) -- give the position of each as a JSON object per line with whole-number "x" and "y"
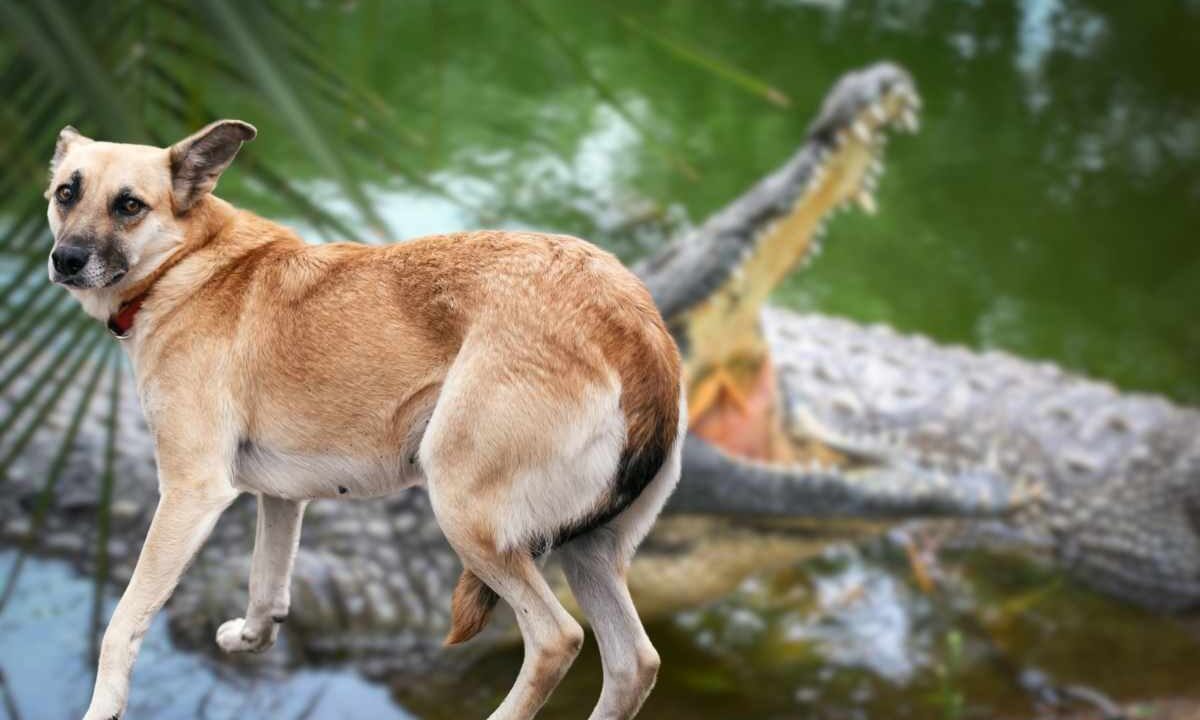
{"x": 104, "y": 705}
{"x": 234, "y": 637}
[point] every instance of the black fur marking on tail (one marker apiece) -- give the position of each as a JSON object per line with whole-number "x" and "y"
{"x": 637, "y": 467}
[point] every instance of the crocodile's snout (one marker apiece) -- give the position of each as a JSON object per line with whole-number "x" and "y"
{"x": 882, "y": 89}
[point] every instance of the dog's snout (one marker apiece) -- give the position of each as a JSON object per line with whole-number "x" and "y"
{"x": 69, "y": 259}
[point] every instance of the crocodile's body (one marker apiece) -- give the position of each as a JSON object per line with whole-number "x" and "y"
{"x": 1113, "y": 478}
{"x": 1107, "y": 481}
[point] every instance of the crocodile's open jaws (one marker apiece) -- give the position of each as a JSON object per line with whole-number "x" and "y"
{"x": 712, "y": 286}
{"x": 713, "y": 283}
{"x": 730, "y": 383}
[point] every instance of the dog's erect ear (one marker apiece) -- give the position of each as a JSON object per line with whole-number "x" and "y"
{"x": 67, "y": 137}
{"x": 198, "y": 161}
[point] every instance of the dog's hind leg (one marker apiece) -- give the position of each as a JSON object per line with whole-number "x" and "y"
{"x": 513, "y": 456}
{"x": 595, "y": 565}
{"x": 275, "y": 542}
{"x": 552, "y": 637}
{"x": 595, "y": 571}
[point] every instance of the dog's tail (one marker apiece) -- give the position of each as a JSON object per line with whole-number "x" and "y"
{"x": 470, "y": 609}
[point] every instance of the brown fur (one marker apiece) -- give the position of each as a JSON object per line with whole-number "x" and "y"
{"x": 470, "y": 608}
{"x": 286, "y": 369}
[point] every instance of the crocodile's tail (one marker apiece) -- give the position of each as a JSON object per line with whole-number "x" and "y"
{"x": 470, "y": 608}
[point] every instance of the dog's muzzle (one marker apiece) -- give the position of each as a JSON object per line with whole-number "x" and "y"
{"x": 80, "y": 266}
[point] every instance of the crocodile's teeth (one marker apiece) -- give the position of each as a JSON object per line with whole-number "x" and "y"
{"x": 815, "y": 180}
{"x": 878, "y": 113}
{"x": 866, "y": 201}
{"x": 860, "y": 131}
{"x": 909, "y": 121}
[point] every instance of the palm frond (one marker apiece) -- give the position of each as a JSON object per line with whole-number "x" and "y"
{"x": 55, "y": 377}
{"x": 46, "y": 496}
{"x": 580, "y": 64}
{"x": 713, "y": 65}
{"x": 265, "y": 70}
{"x": 104, "y": 506}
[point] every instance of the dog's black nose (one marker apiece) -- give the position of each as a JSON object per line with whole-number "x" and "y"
{"x": 69, "y": 259}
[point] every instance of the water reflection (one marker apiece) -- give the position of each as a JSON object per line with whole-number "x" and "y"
{"x": 45, "y": 658}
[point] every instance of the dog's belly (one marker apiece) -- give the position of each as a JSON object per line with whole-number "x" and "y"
{"x": 299, "y": 476}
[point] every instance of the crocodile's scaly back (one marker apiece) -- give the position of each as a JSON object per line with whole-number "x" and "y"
{"x": 1112, "y": 479}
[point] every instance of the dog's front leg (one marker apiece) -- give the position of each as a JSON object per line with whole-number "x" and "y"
{"x": 192, "y": 500}
{"x": 275, "y": 543}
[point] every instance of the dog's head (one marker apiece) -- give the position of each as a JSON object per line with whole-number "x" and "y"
{"x": 118, "y": 210}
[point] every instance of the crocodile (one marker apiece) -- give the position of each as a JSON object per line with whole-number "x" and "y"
{"x": 794, "y": 441}
{"x": 1105, "y": 483}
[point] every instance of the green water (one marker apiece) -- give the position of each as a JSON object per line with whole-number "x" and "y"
{"x": 1049, "y": 206}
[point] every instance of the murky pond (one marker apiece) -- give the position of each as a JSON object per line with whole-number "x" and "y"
{"x": 1049, "y": 206}
{"x": 848, "y": 634}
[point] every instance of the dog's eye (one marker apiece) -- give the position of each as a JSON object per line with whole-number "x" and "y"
{"x": 129, "y": 207}
{"x": 65, "y": 193}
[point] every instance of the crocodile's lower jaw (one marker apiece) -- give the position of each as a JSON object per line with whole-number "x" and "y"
{"x": 744, "y": 426}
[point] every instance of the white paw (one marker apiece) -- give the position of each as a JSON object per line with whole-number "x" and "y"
{"x": 234, "y": 637}
{"x": 105, "y": 705}
{"x": 97, "y": 713}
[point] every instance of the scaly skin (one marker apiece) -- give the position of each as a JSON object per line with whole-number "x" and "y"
{"x": 1114, "y": 478}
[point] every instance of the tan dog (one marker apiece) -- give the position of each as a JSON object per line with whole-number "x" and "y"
{"x": 526, "y": 379}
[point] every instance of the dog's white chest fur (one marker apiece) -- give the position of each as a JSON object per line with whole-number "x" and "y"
{"x": 301, "y": 476}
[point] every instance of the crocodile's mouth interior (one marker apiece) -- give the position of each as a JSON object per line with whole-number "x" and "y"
{"x": 732, "y": 389}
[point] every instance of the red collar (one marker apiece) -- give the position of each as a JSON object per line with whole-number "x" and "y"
{"x": 121, "y": 322}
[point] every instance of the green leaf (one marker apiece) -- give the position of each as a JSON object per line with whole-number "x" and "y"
{"x": 261, "y": 66}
